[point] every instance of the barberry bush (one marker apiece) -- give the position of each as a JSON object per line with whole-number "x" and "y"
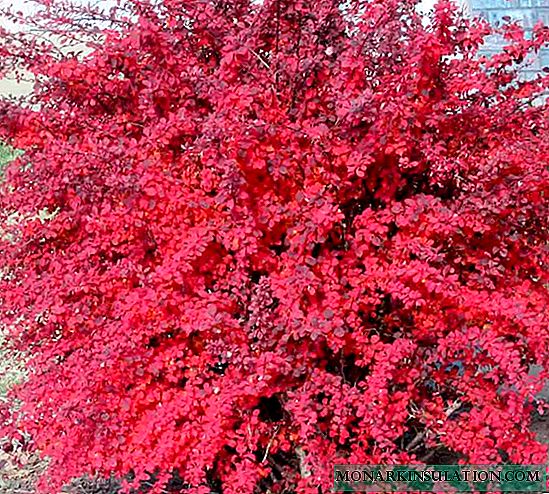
{"x": 248, "y": 240}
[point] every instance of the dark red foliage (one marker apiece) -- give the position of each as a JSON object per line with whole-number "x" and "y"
{"x": 285, "y": 234}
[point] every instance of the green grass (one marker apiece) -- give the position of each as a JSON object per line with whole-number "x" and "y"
{"x": 19, "y": 468}
{"x": 7, "y": 154}
{"x": 12, "y": 369}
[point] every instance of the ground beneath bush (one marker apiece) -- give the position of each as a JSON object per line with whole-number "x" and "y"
{"x": 541, "y": 428}
{"x": 18, "y": 472}
{"x": 19, "y": 469}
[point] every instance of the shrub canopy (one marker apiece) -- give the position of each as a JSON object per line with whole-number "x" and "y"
{"x": 248, "y": 240}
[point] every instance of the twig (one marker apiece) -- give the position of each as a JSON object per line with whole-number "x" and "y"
{"x": 269, "y": 445}
{"x": 261, "y": 59}
{"x": 415, "y": 442}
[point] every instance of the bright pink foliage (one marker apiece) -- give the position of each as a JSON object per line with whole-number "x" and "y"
{"x": 287, "y": 234}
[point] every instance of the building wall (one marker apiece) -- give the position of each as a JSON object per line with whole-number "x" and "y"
{"x": 526, "y": 12}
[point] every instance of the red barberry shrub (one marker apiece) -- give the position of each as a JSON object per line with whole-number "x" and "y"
{"x": 248, "y": 240}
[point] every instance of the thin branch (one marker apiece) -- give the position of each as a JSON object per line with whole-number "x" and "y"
{"x": 260, "y": 58}
{"x": 270, "y": 444}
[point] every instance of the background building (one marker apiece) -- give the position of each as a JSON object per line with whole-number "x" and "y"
{"x": 526, "y": 12}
